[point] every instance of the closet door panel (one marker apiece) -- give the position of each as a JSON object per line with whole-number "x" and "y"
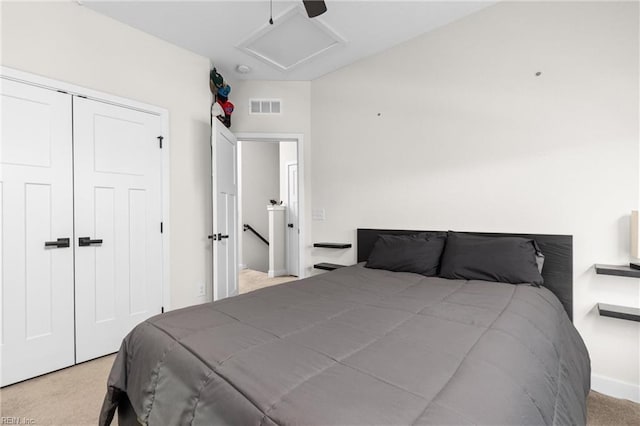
{"x": 36, "y": 207}
{"x": 118, "y": 209}
{"x": 104, "y": 260}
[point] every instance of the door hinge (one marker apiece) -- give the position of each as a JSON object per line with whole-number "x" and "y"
{"x": 160, "y": 138}
{"x": 161, "y": 227}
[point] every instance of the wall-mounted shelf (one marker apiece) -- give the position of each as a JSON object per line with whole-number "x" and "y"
{"x": 621, "y": 312}
{"x": 328, "y": 266}
{"x": 334, "y": 245}
{"x": 618, "y": 270}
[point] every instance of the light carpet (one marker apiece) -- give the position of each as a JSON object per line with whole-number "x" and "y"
{"x": 73, "y": 396}
{"x": 250, "y": 280}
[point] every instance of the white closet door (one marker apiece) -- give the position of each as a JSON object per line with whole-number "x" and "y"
{"x": 225, "y": 211}
{"x": 117, "y": 182}
{"x": 36, "y": 206}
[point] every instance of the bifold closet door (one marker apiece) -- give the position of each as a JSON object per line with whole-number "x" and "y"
{"x": 118, "y": 245}
{"x": 36, "y": 218}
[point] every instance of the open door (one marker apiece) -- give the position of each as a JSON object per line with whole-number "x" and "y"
{"x": 224, "y": 148}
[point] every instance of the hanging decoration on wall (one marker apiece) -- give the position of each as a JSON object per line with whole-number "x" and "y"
{"x": 221, "y": 108}
{"x": 227, "y": 106}
{"x": 215, "y": 81}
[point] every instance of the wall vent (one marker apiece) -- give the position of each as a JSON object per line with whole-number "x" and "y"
{"x": 265, "y": 106}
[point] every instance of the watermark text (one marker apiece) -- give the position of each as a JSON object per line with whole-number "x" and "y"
{"x": 6, "y": 420}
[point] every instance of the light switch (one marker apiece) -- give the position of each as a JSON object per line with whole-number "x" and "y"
{"x": 317, "y": 214}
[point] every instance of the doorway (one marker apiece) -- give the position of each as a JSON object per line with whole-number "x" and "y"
{"x": 269, "y": 170}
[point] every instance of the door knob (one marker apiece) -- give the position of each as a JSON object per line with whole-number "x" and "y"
{"x": 217, "y": 237}
{"x": 87, "y": 241}
{"x": 290, "y": 225}
{"x": 59, "y": 243}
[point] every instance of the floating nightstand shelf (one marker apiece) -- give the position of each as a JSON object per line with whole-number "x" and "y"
{"x": 328, "y": 266}
{"x": 333, "y": 245}
{"x": 616, "y": 311}
{"x": 621, "y": 312}
{"x": 618, "y": 270}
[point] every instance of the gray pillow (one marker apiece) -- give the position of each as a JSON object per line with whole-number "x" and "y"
{"x": 502, "y": 259}
{"x": 417, "y": 253}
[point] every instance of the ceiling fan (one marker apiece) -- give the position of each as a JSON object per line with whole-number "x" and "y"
{"x": 314, "y": 8}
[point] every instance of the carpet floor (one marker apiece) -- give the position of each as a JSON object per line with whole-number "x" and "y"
{"x": 73, "y": 396}
{"x": 250, "y": 280}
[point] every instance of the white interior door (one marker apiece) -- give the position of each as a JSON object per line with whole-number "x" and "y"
{"x": 118, "y": 213}
{"x": 36, "y": 207}
{"x": 224, "y": 173}
{"x": 293, "y": 231}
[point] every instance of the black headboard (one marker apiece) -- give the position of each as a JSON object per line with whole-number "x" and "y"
{"x": 557, "y": 249}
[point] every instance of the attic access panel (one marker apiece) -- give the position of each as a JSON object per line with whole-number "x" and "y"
{"x": 292, "y": 40}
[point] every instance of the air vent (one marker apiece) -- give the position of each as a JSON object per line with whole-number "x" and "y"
{"x": 265, "y": 106}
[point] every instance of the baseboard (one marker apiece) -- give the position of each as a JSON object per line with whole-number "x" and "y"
{"x": 615, "y": 388}
{"x": 242, "y": 266}
{"x": 277, "y": 273}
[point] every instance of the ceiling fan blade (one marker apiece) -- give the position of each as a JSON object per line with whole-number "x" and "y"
{"x": 314, "y": 7}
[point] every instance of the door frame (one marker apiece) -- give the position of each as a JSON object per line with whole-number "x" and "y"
{"x": 284, "y": 137}
{"x": 74, "y": 89}
{"x": 289, "y": 164}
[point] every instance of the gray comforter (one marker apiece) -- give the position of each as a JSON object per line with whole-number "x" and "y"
{"x": 357, "y": 347}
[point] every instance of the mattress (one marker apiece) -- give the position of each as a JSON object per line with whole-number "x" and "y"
{"x": 357, "y": 346}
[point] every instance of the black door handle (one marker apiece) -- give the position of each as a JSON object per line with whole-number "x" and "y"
{"x": 290, "y": 225}
{"x": 59, "y": 243}
{"x": 217, "y": 237}
{"x": 87, "y": 241}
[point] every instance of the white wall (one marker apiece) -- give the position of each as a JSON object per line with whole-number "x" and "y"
{"x": 453, "y": 130}
{"x": 295, "y": 118}
{"x": 67, "y": 42}
{"x": 260, "y": 183}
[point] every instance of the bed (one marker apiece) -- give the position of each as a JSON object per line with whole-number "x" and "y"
{"x": 362, "y": 346}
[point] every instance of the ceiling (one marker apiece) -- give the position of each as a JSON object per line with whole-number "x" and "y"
{"x": 237, "y": 32}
